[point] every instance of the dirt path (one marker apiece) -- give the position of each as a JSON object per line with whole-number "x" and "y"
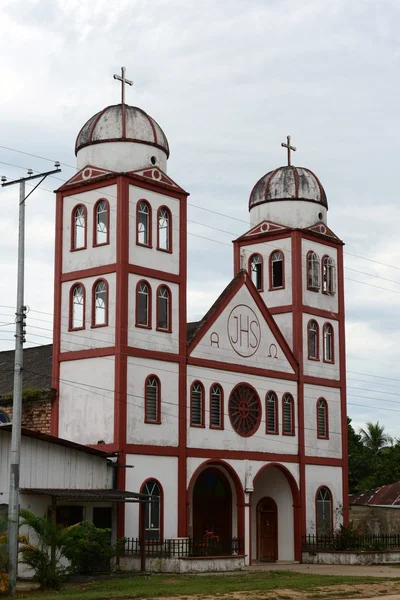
{"x": 351, "y": 570}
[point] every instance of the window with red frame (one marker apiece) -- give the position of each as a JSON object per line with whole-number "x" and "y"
{"x": 143, "y": 304}
{"x": 152, "y": 511}
{"x": 288, "y": 423}
{"x": 324, "y": 511}
{"x": 328, "y": 342}
{"x": 256, "y": 270}
{"x": 216, "y": 406}
{"x": 79, "y": 225}
{"x": 313, "y": 341}
{"x": 322, "y": 418}
{"x": 328, "y": 275}
{"x": 313, "y": 271}
{"x": 164, "y": 228}
{"x": 197, "y": 404}
{"x": 272, "y": 413}
{"x": 102, "y": 217}
{"x": 143, "y": 223}
{"x": 78, "y": 307}
{"x": 100, "y": 303}
{"x": 152, "y": 400}
{"x": 276, "y": 269}
{"x": 163, "y": 308}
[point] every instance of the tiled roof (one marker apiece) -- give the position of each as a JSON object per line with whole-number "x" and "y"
{"x": 37, "y": 369}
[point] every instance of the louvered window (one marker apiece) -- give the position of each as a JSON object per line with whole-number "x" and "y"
{"x": 216, "y": 406}
{"x": 288, "y": 425}
{"x": 272, "y": 417}
{"x": 152, "y": 400}
{"x": 313, "y": 271}
{"x": 322, "y": 418}
{"x": 256, "y": 271}
{"x": 277, "y": 269}
{"x": 197, "y": 404}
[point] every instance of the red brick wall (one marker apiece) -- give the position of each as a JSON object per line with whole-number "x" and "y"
{"x": 35, "y": 414}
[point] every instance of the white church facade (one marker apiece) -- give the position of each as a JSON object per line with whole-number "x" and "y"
{"x": 238, "y": 422}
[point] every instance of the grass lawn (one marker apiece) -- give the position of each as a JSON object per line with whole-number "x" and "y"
{"x": 252, "y": 585}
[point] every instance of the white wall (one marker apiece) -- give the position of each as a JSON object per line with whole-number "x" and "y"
{"x": 165, "y": 470}
{"x": 90, "y": 337}
{"x": 91, "y": 257}
{"x": 317, "y": 476}
{"x": 139, "y": 432}
{"x": 318, "y": 299}
{"x": 121, "y": 156}
{"x": 228, "y": 439}
{"x": 151, "y": 257}
{"x": 331, "y": 447}
{"x": 319, "y": 368}
{"x": 151, "y": 339}
{"x": 285, "y": 324}
{"x": 86, "y": 397}
{"x": 292, "y": 213}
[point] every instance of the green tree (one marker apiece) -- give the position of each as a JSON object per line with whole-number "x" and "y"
{"x": 358, "y": 459}
{"x": 374, "y": 437}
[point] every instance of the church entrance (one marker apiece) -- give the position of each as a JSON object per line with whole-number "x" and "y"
{"x": 267, "y": 516}
{"x": 212, "y": 506}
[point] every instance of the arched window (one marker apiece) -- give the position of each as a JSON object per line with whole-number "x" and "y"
{"x": 313, "y": 340}
{"x": 313, "y": 271}
{"x": 322, "y": 419}
{"x": 328, "y": 275}
{"x": 153, "y": 511}
{"x": 197, "y": 404}
{"x": 276, "y": 278}
{"x": 152, "y": 400}
{"x": 143, "y": 304}
{"x": 78, "y": 238}
{"x": 163, "y": 308}
{"x": 164, "y": 231}
{"x": 143, "y": 217}
{"x": 101, "y": 223}
{"x": 4, "y": 418}
{"x": 328, "y": 343}
{"x": 100, "y": 304}
{"x": 77, "y": 307}
{"x": 256, "y": 270}
{"x": 288, "y": 415}
{"x": 272, "y": 412}
{"x": 216, "y": 407}
{"x": 324, "y": 511}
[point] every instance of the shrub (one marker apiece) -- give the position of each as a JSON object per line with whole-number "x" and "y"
{"x": 89, "y": 549}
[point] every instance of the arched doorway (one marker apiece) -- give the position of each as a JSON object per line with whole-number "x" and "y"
{"x": 267, "y": 530}
{"x": 212, "y": 504}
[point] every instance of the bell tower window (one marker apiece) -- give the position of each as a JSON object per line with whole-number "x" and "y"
{"x": 256, "y": 271}
{"x": 102, "y": 220}
{"x": 328, "y": 343}
{"x": 143, "y": 232}
{"x": 77, "y": 307}
{"x": 79, "y": 228}
{"x": 164, "y": 222}
{"x": 100, "y": 304}
{"x": 143, "y": 304}
{"x": 328, "y": 275}
{"x": 313, "y": 341}
{"x": 313, "y": 271}
{"x": 276, "y": 270}
{"x": 163, "y": 308}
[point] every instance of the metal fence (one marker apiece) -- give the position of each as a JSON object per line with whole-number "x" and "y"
{"x": 184, "y": 547}
{"x": 355, "y": 542}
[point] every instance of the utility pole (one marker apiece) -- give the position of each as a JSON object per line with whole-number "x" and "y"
{"x": 15, "y": 455}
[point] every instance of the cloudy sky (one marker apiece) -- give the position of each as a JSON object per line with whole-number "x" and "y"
{"x": 227, "y": 80}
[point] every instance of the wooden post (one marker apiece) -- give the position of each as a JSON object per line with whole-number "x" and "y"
{"x": 142, "y": 537}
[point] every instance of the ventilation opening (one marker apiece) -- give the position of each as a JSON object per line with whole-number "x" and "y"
{"x": 153, "y": 160}
{"x": 320, "y": 216}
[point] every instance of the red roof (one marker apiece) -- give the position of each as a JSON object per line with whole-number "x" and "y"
{"x": 386, "y": 495}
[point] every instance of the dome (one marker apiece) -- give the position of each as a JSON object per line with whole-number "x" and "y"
{"x": 288, "y": 183}
{"x": 112, "y": 125}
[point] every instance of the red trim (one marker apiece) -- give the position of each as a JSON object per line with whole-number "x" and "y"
{"x": 265, "y": 236}
{"x": 89, "y": 353}
{"x": 326, "y": 419}
{"x": 94, "y": 324}
{"x": 57, "y": 313}
{"x": 279, "y": 310}
{"x": 158, "y": 401}
{"x": 298, "y": 509}
{"x": 202, "y": 407}
{"x": 169, "y": 232}
{"x": 147, "y": 449}
{"x": 259, "y": 503}
{"x": 240, "y": 498}
{"x": 248, "y": 454}
{"x": 334, "y": 383}
{"x": 292, "y": 415}
{"x": 168, "y": 329}
{"x": 95, "y": 243}
{"x": 149, "y": 224}
{"x": 236, "y": 258}
{"x": 261, "y": 288}
{"x": 316, "y": 508}
{"x": 146, "y": 272}
{"x": 91, "y": 272}
{"x": 154, "y": 354}
{"x": 161, "y": 507}
{"x": 236, "y": 368}
{"x": 71, "y": 307}
{"x": 320, "y": 312}
{"x": 332, "y": 360}
{"x": 315, "y": 236}
{"x": 310, "y": 357}
{"x": 281, "y": 287}
{"x": 72, "y": 243}
{"x": 221, "y": 407}
{"x": 149, "y": 305}
{"x": 276, "y": 428}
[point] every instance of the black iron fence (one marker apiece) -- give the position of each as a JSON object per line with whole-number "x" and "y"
{"x": 184, "y": 547}
{"x": 351, "y": 542}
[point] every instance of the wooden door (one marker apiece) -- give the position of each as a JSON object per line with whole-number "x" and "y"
{"x": 267, "y": 530}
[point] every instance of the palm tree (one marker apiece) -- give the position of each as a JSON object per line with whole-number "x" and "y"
{"x": 374, "y": 437}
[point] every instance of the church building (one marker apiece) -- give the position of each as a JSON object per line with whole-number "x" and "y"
{"x": 236, "y": 424}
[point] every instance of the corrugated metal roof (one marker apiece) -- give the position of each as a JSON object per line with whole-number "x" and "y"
{"x": 102, "y": 495}
{"x": 386, "y": 495}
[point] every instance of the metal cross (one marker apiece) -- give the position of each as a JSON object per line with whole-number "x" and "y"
{"x": 288, "y": 146}
{"x": 122, "y": 79}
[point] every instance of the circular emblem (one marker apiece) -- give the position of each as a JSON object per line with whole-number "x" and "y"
{"x": 87, "y": 173}
{"x": 244, "y": 409}
{"x": 156, "y": 174}
{"x": 244, "y": 330}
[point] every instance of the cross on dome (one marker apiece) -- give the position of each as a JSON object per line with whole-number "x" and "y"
{"x": 288, "y": 146}
{"x": 123, "y": 81}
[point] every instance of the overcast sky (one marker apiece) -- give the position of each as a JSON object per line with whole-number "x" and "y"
{"x": 227, "y": 80}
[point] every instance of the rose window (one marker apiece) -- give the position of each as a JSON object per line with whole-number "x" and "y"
{"x": 244, "y": 410}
